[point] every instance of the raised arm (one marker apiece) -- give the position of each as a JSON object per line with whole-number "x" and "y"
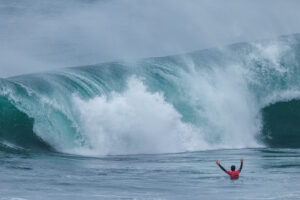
{"x": 242, "y": 161}
{"x": 218, "y": 163}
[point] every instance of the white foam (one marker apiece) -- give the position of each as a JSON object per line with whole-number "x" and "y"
{"x": 279, "y": 96}
{"x": 138, "y": 121}
{"x": 227, "y": 109}
{"x": 272, "y": 52}
{"x": 134, "y": 122}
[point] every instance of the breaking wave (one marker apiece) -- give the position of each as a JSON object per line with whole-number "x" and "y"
{"x": 238, "y": 96}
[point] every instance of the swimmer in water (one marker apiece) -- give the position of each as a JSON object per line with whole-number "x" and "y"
{"x": 233, "y": 174}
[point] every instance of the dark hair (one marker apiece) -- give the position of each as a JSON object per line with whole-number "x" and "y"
{"x": 232, "y": 168}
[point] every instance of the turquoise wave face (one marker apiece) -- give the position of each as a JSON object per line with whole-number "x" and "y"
{"x": 229, "y": 97}
{"x": 17, "y": 129}
{"x": 281, "y": 124}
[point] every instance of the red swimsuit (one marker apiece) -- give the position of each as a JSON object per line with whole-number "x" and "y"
{"x": 233, "y": 174}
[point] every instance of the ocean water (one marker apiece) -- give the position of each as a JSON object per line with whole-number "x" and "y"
{"x": 268, "y": 173}
{"x": 153, "y": 128}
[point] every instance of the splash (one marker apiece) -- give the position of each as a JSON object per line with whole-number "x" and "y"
{"x": 135, "y": 121}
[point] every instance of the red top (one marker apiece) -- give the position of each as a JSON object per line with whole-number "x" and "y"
{"x": 234, "y": 174}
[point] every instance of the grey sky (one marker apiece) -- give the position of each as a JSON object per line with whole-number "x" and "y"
{"x": 37, "y": 35}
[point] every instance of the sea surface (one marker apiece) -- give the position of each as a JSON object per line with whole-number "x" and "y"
{"x": 268, "y": 173}
{"x": 153, "y": 128}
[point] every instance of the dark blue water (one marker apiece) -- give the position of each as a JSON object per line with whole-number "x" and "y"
{"x": 267, "y": 174}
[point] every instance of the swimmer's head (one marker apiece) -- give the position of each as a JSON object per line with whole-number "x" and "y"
{"x": 232, "y": 168}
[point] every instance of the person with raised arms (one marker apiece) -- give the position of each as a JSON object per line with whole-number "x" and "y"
{"x": 233, "y": 174}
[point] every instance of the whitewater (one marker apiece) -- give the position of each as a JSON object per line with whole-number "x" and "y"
{"x": 128, "y": 129}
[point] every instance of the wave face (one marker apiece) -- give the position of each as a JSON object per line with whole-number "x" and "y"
{"x": 242, "y": 95}
{"x": 281, "y": 124}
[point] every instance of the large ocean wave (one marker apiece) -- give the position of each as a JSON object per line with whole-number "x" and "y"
{"x": 238, "y": 96}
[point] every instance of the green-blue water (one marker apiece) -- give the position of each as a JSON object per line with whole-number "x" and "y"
{"x": 153, "y": 128}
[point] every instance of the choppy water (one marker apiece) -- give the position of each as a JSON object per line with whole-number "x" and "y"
{"x": 267, "y": 174}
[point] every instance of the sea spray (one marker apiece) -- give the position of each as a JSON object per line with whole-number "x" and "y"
{"x": 135, "y": 121}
